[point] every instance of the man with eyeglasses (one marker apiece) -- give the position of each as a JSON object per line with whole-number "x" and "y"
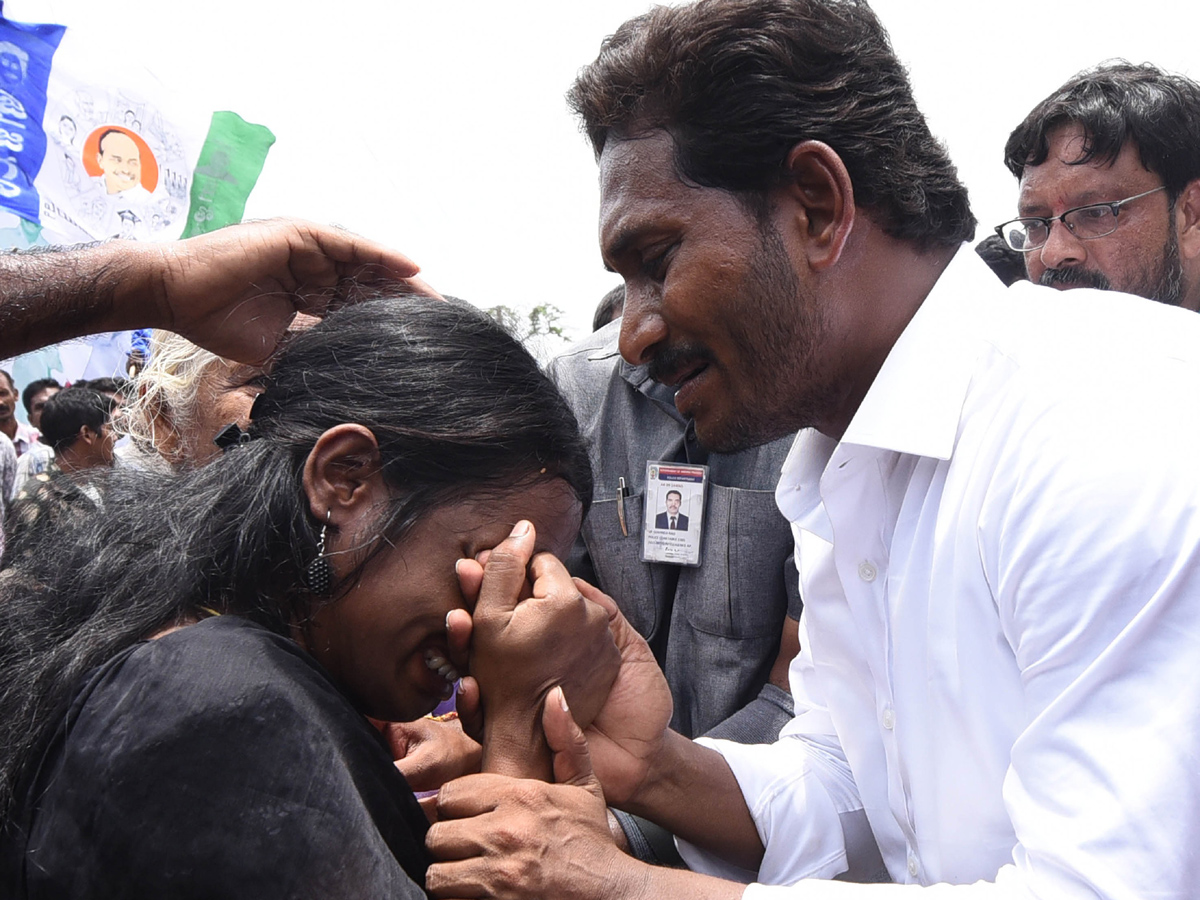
{"x": 1109, "y": 170}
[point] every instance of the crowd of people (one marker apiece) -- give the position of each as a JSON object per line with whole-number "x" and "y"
{"x": 846, "y": 558}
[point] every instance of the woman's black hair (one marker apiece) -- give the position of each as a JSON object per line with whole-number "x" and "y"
{"x": 457, "y": 407}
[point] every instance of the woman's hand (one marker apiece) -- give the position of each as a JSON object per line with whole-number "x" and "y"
{"x": 430, "y": 752}
{"x": 532, "y": 629}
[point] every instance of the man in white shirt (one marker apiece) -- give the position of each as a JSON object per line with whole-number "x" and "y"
{"x": 996, "y": 508}
{"x": 22, "y": 436}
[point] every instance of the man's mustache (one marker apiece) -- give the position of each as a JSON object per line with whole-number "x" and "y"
{"x": 1075, "y": 278}
{"x": 671, "y": 363}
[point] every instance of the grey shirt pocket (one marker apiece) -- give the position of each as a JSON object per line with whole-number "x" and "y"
{"x": 741, "y": 590}
{"x": 617, "y": 561}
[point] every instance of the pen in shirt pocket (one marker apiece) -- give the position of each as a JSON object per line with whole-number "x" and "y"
{"x": 621, "y": 492}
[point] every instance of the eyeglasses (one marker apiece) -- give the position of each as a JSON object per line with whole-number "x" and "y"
{"x": 1085, "y": 222}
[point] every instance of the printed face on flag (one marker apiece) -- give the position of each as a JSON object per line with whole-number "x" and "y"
{"x": 120, "y": 161}
{"x": 13, "y": 63}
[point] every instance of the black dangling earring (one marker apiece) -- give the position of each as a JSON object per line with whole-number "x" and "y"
{"x": 318, "y": 574}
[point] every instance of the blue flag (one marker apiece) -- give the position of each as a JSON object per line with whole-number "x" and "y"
{"x": 26, "y": 54}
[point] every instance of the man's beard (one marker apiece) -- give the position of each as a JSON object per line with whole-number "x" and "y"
{"x": 779, "y": 331}
{"x": 1164, "y": 283}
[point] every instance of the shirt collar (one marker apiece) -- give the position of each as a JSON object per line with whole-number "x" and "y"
{"x": 915, "y": 402}
{"x": 26, "y": 435}
{"x": 798, "y": 494}
{"x": 638, "y": 377}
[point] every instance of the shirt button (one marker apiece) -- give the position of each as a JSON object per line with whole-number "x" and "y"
{"x": 866, "y": 571}
{"x": 889, "y": 718}
{"x": 912, "y": 865}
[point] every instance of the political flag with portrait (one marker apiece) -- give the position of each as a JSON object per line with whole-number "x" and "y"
{"x": 93, "y": 147}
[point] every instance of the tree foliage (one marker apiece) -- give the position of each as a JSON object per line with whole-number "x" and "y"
{"x": 540, "y": 321}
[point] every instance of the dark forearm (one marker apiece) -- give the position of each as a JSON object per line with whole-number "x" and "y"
{"x": 47, "y": 296}
{"x": 515, "y": 745}
{"x": 758, "y": 722}
{"x": 646, "y": 882}
{"x": 789, "y": 646}
{"x": 692, "y": 793}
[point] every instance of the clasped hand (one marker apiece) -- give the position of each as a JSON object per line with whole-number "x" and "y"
{"x": 531, "y": 629}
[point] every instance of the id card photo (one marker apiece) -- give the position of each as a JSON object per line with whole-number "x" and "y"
{"x": 673, "y": 513}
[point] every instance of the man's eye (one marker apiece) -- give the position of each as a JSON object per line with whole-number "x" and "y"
{"x": 654, "y": 264}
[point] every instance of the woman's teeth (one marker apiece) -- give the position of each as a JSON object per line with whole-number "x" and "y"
{"x": 438, "y": 663}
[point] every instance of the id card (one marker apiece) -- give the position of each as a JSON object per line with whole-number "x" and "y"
{"x": 673, "y": 513}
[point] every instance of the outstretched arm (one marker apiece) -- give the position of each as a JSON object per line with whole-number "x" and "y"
{"x": 233, "y": 291}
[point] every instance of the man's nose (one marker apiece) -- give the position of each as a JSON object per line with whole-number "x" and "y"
{"x": 642, "y": 325}
{"x": 1062, "y": 248}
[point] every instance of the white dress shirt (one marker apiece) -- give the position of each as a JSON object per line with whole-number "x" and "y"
{"x": 25, "y": 438}
{"x": 1000, "y": 563}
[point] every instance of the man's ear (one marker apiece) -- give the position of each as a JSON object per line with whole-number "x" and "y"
{"x": 164, "y": 436}
{"x": 1187, "y": 220}
{"x": 342, "y": 476}
{"x": 822, "y": 201}
{"x": 1187, "y": 234}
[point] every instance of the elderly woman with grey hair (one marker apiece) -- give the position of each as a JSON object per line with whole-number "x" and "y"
{"x": 183, "y": 398}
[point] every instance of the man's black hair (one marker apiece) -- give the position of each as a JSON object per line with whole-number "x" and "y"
{"x": 104, "y": 134}
{"x": 106, "y": 385}
{"x": 34, "y": 388}
{"x": 65, "y": 414}
{"x": 611, "y": 306}
{"x": 1007, "y": 263}
{"x": 738, "y": 83}
{"x": 1117, "y": 103}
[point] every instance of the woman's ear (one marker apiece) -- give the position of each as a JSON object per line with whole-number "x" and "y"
{"x": 343, "y": 477}
{"x": 822, "y": 201}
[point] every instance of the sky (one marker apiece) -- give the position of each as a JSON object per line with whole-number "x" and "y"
{"x": 440, "y": 128}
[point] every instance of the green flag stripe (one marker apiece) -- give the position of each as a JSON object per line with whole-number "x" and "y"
{"x": 230, "y": 162}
